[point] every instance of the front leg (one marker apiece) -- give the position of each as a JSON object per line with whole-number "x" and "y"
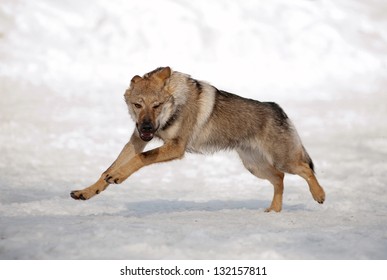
{"x": 133, "y": 147}
{"x": 91, "y": 191}
{"x": 172, "y": 149}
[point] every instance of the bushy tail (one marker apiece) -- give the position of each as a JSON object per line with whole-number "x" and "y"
{"x": 308, "y": 159}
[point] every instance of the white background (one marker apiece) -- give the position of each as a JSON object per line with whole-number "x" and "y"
{"x": 64, "y": 66}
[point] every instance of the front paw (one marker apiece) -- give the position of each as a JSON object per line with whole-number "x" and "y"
{"x": 79, "y": 195}
{"x": 114, "y": 178}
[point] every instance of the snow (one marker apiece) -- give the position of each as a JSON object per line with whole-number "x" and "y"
{"x": 64, "y": 66}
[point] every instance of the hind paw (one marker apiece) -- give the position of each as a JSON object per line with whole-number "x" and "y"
{"x": 273, "y": 208}
{"x": 319, "y": 196}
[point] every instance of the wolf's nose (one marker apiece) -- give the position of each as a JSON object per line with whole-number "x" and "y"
{"x": 146, "y": 127}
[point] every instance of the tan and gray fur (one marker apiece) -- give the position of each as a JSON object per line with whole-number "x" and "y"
{"x": 193, "y": 116}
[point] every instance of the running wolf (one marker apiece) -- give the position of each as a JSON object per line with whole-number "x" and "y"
{"x": 194, "y": 116}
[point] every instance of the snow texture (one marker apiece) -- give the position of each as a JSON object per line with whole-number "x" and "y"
{"x": 64, "y": 66}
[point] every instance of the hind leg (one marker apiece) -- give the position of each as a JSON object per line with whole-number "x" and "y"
{"x": 304, "y": 170}
{"x": 277, "y": 179}
{"x": 259, "y": 167}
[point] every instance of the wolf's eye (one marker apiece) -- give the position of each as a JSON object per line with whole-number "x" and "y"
{"x": 157, "y": 105}
{"x": 138, "y": 106}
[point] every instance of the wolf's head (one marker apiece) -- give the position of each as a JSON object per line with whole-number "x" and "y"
{"x": 149, "y": 101}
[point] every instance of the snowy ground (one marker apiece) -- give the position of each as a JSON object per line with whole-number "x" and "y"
{"x": 64, "y": 66}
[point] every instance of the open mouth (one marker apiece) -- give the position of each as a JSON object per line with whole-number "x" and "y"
{"x": 146, "y": 136}
{"x": 146, "y": 130}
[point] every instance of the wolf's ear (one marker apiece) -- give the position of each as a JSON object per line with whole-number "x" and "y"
{"x": 164, "y": 73}
{"x": 135, "y": 79}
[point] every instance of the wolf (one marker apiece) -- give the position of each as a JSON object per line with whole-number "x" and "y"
{"x": 189, "y": 115}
